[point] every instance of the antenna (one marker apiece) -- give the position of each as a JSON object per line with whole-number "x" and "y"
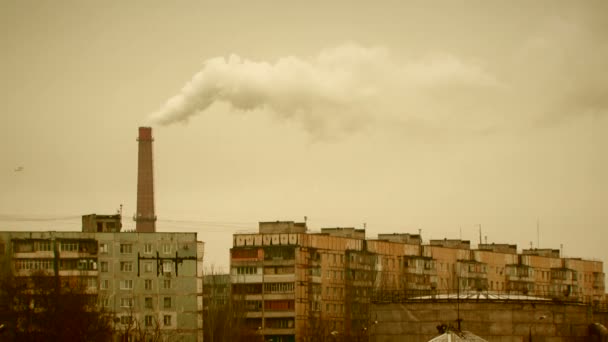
{"x": 537, "y": 233}
{"x": 486, "y": 237}
{"x": 364, "y": 225}
{"x": 305, "y": 219}
{"x": 480, "y": 233}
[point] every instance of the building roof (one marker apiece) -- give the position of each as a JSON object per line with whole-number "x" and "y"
{"x": 451, "y": 336}
{"x": 483, "y": 295}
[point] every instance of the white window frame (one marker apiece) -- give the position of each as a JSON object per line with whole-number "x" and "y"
{"x": 167, "y": 266}
{"x": 126, "y": 266}
{"x": 126, "y": 302}
{"x": 126, "y": 248}
{"x": 68, "y": 246}
{"x": 91, "y": 282}
{"x": 126, "y": 284}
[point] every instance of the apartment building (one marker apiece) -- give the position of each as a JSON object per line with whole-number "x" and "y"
{"x": 302, "y": 286}
{"x": 308, "y": 287}
{"x": 152, "y": 281}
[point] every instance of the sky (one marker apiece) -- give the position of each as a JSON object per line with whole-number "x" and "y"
{"x": 397, "y": 116}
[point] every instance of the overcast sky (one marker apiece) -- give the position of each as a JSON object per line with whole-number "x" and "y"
{"x": 402, "y": 115}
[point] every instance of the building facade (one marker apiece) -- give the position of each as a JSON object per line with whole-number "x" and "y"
{"x": 150, "y": 282}
{"x": 301, "y": 286}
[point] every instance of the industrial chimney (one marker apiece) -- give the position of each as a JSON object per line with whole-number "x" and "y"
{"x": 145, "y": 219}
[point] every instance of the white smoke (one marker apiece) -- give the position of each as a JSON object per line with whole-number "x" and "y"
{"x": 341, "y": 88}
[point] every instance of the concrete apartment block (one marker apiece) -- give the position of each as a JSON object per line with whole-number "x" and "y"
{"x": 153, "y": 278}
{"x": 302, "y": 286}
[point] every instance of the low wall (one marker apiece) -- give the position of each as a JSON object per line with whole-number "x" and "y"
{"x": 495, "y": 321}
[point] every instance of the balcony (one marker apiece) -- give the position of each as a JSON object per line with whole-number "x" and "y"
{"x": 75, "y": 254}
{"x": 278, "y": 313}
{"x": 314, "y": 279}
{"x": 34, "y": 255}
{"x": 253, "y": 314}
{"x": 280, "y": 262}
{"x": 279, "y": 278}
{"x": 278, "y": 296}
{"x": 78, "y": 273}
{"x": 520, "y": 278}
{"x": 246, "y": 278}
{"x": 279, "y": 331}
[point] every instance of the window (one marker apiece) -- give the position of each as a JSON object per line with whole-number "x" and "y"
{"x": 246, "y": 270}
{"x": 33, "y": 264}
{"x": 167, "y": 320}
{"x": 126, "y": 248}
{"x": 69, "y": 246}
{"x": 148, "y": 248}
{"x": 167, "y": 249}
{"x": 91, "y": 282}
{"x": 167, "y": 302}
{"x": 87, "y": 264}
{"x": 278, "y": 287}
{"x": 2, "y": 248}
{"x": 148, "y": 302}
{"x": 105, "y": 302}
{"x": 126, "y": 302}
{"x": 42, "y": 246}
{"x": 148, "y": 321}
{"x": 126, "y": 284}
{"x": 104, "y": 266}
{"x": 167, "y": 266}
{"x": 148, "y": 284}
{"x": 103, "y": 248}
{"x": 125, "y": 319}
{"x": 279, "y": 305}
{"x": 105, "y": 284}
{"x": 148, "y": 267}
{"x": 167, "y": 284}
{"x": 126, "y": 266}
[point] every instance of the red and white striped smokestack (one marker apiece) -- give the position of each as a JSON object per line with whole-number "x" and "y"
{"x": 145, "y": 219}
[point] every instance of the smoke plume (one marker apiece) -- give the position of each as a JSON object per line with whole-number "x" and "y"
{"x": 341, "y": 88}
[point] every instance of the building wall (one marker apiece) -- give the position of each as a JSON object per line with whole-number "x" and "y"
{"x": 336, "y": 276}
{"x": 494, "y": 321}
{"x": 128, "y": 271}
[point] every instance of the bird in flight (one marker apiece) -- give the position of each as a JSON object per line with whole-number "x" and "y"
{"x": 19, "y": 169}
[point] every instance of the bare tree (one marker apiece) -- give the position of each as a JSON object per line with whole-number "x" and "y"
{"x": 134, "y": 330}
{"x": 224, "y": 310}
{"x": 45, "y": 307}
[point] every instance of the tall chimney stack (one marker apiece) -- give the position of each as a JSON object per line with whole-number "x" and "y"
{"x": 145, "y": 219}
